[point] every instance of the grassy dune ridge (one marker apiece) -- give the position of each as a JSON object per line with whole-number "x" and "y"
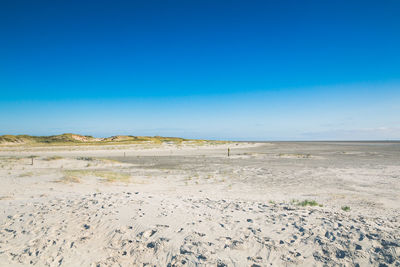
{"x": 76, "y": 139}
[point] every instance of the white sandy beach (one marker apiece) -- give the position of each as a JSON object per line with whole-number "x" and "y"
{"x": 190, "y": 205}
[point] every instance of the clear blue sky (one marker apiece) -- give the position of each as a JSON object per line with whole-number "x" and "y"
{"x": 261, "y": 70}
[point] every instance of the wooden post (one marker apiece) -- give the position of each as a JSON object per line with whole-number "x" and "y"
{"x": 32, "y": 157}
{"x": 229, "y": 150}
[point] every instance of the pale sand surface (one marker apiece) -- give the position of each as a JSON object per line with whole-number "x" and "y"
{"x": 191, "y": 205}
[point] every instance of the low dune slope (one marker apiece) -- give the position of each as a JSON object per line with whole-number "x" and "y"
{"x": 76, "y": 139}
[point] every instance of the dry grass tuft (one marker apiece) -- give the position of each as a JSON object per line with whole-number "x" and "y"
{"x": 106, "y": 176}
{"x": 6, "y": 197}
{"x": 70, "y": 177}
{"x": 104, "y": 160}
{"x": 298, "y": 156}
{"x": 26, "y": 174}
{"x": 52, "y": 158}
{"x": 109, "y": 176}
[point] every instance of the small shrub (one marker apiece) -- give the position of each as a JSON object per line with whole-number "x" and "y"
{"x": 306, "y": 202}
{"x": 346, "y": 208}
{"x": 85, "y": 158}
{"x": 52, "y": 158}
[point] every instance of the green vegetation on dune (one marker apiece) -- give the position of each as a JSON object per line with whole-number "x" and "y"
{"x": 28, "y": 139}
{"x": 14, "y": 138}
{"x": 75, "y": 139}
